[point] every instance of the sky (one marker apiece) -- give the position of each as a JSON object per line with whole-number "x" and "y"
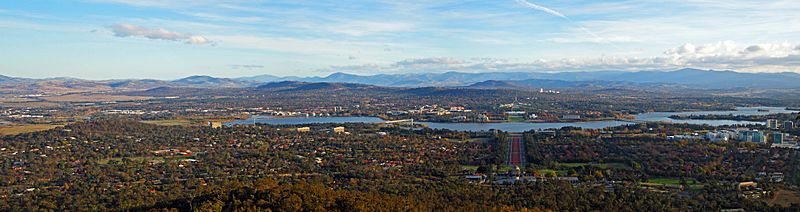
{"x": 170, "y": 39}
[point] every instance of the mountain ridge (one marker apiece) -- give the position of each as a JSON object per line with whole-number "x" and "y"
{"x": 689, "y": 77}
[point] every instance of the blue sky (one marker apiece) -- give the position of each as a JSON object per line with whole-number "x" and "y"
{"x": 102, "y": 39}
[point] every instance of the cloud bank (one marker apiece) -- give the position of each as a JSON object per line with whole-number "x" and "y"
{"x": 129, "y": 30}
{"x": 727, "y": 55}
{"x": 246, "y": 66}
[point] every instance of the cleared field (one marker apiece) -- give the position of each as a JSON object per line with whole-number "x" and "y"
{"x": 93, "y": 98}
{"x": 29, "y": 104}
{"x": 13, "y": 99}
{"x": 784, "y": 198}
{"x": 19, "y": 129}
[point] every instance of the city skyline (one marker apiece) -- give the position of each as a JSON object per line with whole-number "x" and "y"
{"x": 104, "y": 39}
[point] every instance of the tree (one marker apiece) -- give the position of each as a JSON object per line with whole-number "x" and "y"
{"x": 483, "y": 169}
{"x": 211, "y": 206}
{"x": 598, "y": 174}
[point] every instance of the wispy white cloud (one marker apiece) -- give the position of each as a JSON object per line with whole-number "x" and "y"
{"x": 363, "y": 28}
{"x": 310, "y": 46}
{"x": 236, "y": 19}
{"x": 246, "y": 66}
{"x": 129, "y": 30}
{"x": 592, "y": 39}
{"x": 167, "y": 4}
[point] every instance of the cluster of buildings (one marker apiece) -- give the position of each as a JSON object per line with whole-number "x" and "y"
{"x": 124, "y": 112}
{"x": 318, "y": 112}
{"x": 776, "y": 124}
{"x": 542, "y": 90}
{"x": 334, "y": 130}
{"x": 431, "y": 110}
{"x": 742, "y": 135}
{"x": 22, "y": 113}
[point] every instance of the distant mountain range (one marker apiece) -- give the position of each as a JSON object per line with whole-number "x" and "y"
{"x": 693, "y": 78}
{"x": 689, "y": 77}
{"x": 561, "y": 84}
{"x": 70, "y": 85}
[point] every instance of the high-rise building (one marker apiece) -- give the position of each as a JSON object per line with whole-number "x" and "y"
{"x": 777, "y": 138}
{"x": 772, "y": 123}
{"x": 759, "y": 137}
{"x": 752, "y": 136}
{"x": 744, "y": 135}
{"x": 788, "y": 125}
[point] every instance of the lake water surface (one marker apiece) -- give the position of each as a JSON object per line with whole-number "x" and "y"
{"x": 525, "y": 126}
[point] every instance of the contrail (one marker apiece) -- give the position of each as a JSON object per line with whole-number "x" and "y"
{"x": 541, "y": 8}
{"x": 556, "y": 13}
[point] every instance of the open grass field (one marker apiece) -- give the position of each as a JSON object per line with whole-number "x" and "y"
{"x": 516, "y": 119}
{"x": 668, "y": 181}
{"x": 692, "y": 183}
{"x": 19, "y": 129}
{"x": 470, "y": 168}
{"x": 38, "y": 104}
{"x": 598, "y": 165}
{"x": 505, "y": 169}
{"x": 14, "y": 99}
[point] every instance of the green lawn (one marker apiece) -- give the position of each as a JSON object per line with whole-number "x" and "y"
{"x": 598, "y": 165}
{"x": 516, "y": 119}
{"x": 668, "y": 181}
{"x": 468, "y": 167}
{"x": 692, "y": 183}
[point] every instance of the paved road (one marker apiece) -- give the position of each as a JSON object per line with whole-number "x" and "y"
{"x": 516, "y": 153}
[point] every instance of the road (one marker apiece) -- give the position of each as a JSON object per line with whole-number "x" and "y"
{"x": 516, "y": 154}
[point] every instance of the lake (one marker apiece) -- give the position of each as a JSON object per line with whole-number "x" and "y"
{"x": 525, "y": 126}
{"x": 749, "y": 111}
